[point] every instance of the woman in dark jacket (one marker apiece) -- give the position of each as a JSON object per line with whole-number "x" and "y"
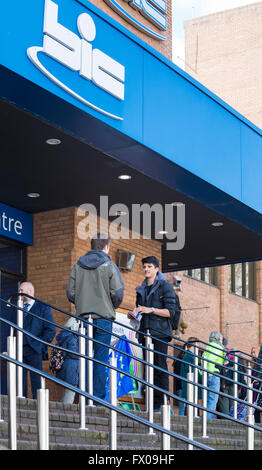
{"x": 70, "y": 368}
{"x": 188, "y": 361}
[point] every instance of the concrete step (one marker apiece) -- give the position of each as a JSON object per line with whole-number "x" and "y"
{"x": 64, "y": 429}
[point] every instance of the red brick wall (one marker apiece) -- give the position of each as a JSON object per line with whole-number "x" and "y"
{"x": 224, "y": 307}
{"x": 223, "y": 52}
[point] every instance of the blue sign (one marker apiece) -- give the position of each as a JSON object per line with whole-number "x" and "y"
{"x": 79, "y": 54}
{"x": 16, "y": 224}
{"x": 64, "y": 47}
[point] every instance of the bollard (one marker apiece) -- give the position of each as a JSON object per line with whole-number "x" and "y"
{"x": 150, "y": 389}
{"x": 1, "y": 419}
{"x": 190, "y": 409}
{"x": 20, "y": 315}
{"x": 204, "y": 400}
{"x": 196, "y": 380}
{"x": 11, "y": 383}
{"x": 82, "y": 377}
{"x": 113, "y": 401}
{"x": 148, "y": 341}
{"x": 90, "y": 353}
{"x": 250, "y": 415}
{"x": 43, "y": 418}
{"x": 235, "y": 374}
{"x": 166, "y": 423}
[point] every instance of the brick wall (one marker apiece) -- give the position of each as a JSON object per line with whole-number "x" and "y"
{"x": 220, "y": 310}
{"x": 223, "y": 51}
{"x": 164, "y": 47}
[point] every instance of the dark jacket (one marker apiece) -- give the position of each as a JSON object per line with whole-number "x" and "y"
{"x": 184, "y": 370}
{"x": 160, "y": 296}
{"x": 43, "y": 330}
{"x": 70, "y": 368}
{"x": 95, "y": 285}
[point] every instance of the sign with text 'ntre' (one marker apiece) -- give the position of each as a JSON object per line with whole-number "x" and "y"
{"x": 16, "y": 224}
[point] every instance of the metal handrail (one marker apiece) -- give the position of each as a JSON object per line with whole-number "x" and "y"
{"x": 13, "y": 325}
{"x": 138, "y": 359}
{"x": 141, "y": 380}
{"x": 105, "y": 403}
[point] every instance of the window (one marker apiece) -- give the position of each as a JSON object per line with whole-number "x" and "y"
{"x": 208, "y": 275}
{"x": 242, "y": 280}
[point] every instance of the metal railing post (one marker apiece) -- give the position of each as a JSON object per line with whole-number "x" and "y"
{"x": 151, "y": 390}
{"x": 43, "y": 418}
{"x": 190, "y": 408}
{"x": 11, "y": 383}
{"x": 196, "y": 380}
{"x": 90, "y": 353}
{"x": 20, "y": 322}
{"x": 250, "y": 415}
{"x": 235, "y": 374}
{"x": 113, "y": 401}
{"x": 165, "y": 423}
{"x": 82, "y": 377}
{"x": 204, "y": 399}
{"x": 148, "y": 341}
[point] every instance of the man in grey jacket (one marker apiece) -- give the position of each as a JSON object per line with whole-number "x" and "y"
{"x": 95, "y": 286}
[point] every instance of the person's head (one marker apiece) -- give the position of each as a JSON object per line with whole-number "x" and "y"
{"x": 100, "y": 241}
{"x": 72, "y": 324}
{"x": 216, "y": 336}
{"x": 150, "y": 266}
{"x": 191, "y": 342}
{"x": 27, "y": 288}
{"x": 254, "y": 351}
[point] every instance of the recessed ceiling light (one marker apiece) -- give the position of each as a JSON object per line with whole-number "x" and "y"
{"x": 53, "y": 141}
{"x": 220, "y": 257}
{"x": 33, "y": 195}
{"x": 217, "y": 224}
{"x": 124, "y": 177}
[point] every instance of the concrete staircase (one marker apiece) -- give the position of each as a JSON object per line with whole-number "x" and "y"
{"x": 65, "y": 434}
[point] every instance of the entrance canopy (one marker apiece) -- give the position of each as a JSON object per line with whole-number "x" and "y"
{"x": 70, "y": 72}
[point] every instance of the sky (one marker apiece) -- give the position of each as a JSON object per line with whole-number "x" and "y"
{"x": 187, "y": 9}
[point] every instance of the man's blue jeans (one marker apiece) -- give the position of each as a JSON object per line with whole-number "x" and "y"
{"x": 101, "y": 352}
{"x": 213, "y": 382}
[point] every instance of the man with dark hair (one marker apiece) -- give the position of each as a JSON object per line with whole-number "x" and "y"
{"x": 95, "y": 286}
{"x": 155, "y": 301}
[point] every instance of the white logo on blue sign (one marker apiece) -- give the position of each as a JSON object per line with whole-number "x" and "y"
{"x": 153, "y": 10}
{"x": 78, "y": 54}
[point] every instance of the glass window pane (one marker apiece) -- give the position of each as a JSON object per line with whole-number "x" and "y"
{"x": 10, "y": 258}
{"x": 238, "y": 279}
{"x": 196, "y": 273}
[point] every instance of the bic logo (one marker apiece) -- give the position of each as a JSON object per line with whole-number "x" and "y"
{"x": 78, "y": 54}
{"x": 153, "y": 10}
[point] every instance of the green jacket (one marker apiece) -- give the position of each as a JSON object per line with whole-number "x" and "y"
{"x": 214, "y": 352}
{"x": 95, "y": 285}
